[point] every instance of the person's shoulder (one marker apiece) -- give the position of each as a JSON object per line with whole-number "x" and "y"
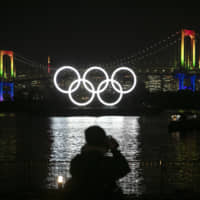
{"x": 76, "y": 158}
{"x": 85, "y": 156}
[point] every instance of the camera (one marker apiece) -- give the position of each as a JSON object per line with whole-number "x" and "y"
{"x": 112, "y": 142}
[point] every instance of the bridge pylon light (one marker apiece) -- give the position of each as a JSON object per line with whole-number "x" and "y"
{"x": 190, "y": 59}
{"x": 6, "y": 79}
{"x": 3, "y": 71}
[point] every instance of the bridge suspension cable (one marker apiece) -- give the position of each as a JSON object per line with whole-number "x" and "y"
{"x": 27, "y": 61}
{"x": 150, "y": 49}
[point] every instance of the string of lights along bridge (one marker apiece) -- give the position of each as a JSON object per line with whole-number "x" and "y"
{"x": 170, "y": 64}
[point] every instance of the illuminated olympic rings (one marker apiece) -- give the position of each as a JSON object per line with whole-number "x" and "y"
{"x": 90, "y": 87}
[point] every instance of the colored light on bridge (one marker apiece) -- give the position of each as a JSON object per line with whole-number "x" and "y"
{"x": 191, "y": 34}
{"x": 2, "y": 71}
{"x": 12, "y": 66}
{"x": 194, "y": 52}
{"x": 1, "y": 91}
{"x": 182, "y": 77}
{"x": 199, "y": 61}
{"x": 1, "y": 63}
{"x": 182, "y": 47}
{"x": 9, "y": 91}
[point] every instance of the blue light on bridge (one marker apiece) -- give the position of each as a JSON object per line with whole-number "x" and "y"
{"x": 1, "y": 91}
{"x": 9, "y": 91}
{"x": 182, "y": 77}
{"x": 193, "y": 79}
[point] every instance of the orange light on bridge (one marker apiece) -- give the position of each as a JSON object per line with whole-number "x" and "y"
{"x": 191, "y": 34}
{"x": 10, "y": 54}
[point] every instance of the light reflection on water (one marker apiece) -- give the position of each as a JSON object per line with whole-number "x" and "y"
{"x": 34, "y": 150}
{"x": 68, "y": 138}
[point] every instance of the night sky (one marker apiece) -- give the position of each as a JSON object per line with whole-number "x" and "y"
{"x": 88, "y": 33}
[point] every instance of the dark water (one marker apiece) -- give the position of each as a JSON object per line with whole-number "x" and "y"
{"x": 35, "y": 150}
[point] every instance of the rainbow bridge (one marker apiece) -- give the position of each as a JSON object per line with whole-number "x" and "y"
{"x": 171, "y": 64}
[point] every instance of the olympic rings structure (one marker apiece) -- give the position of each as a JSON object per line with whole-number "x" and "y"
{"x": 88, "y": 85}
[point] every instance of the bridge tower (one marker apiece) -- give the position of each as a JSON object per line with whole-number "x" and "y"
{"x": 187, "y": 58}
{"x": 7, "y": 74}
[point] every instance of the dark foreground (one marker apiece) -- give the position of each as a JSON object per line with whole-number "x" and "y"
{"x": 57, "y": 195}
{"x": 51, "y": 109}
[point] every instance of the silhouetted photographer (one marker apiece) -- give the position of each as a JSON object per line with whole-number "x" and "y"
{"x": 95, "y": 174}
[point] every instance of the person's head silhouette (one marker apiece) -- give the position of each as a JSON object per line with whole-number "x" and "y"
{"x": 95, "y": 136}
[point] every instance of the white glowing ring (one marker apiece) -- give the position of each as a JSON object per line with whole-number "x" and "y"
{"x": 66, "y": 68}
{"x": 134, "y": 79}
{"x": 95, "y": 68}
{"x": 78, "y": 103}
{"x": 91, "y": 88}
{"x": 115, "y": 102}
